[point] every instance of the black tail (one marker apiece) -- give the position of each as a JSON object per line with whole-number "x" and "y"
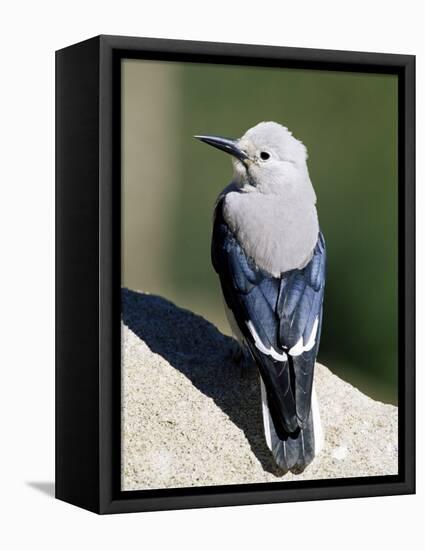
{"x": 292, "y": 451}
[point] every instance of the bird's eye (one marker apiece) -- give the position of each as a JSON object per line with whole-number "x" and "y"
{"x": 264, "y": 155}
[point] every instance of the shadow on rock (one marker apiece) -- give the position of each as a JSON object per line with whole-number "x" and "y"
{"x": 198, "y": 350}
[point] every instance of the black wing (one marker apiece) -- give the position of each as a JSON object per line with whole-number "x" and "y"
{"x": 273, "y": 314}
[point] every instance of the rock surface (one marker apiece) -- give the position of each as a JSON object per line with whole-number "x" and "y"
{"x": 190, "y": 419}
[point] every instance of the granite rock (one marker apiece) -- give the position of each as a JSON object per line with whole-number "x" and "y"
{"x": 192, "y": 417}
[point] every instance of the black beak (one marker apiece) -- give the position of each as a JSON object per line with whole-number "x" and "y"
{"x": 225, "y": 144}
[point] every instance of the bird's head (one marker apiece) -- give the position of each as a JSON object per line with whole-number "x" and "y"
{"x": 266, "y": 159}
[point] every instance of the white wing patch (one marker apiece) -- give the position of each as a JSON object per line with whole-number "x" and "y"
{"x": 299, "y": 347}
{"x": 259, "y": 345}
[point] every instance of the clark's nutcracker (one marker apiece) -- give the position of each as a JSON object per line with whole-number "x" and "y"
{"x": 269, "y": 253}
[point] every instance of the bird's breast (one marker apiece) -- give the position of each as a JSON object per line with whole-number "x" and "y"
{"x": 278, "y": 234}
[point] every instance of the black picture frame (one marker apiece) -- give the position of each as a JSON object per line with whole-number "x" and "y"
{"x": 88, "y": 273}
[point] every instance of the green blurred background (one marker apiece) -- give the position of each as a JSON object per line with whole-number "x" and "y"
{"x": 348, "y": 121}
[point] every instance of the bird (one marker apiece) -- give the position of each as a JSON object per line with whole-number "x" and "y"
{"x": 270, "y": 256}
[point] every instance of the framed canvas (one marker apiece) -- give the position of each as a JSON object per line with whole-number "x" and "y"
{"x": 160, "y": 402}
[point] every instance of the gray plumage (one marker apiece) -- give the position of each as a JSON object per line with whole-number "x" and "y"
{"x": 270, "y": 256}
{"x": 272, "y": 212}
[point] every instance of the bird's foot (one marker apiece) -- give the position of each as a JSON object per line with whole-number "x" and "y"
{"x": 241, "y": 358}
{"x": 235, "y": 352}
